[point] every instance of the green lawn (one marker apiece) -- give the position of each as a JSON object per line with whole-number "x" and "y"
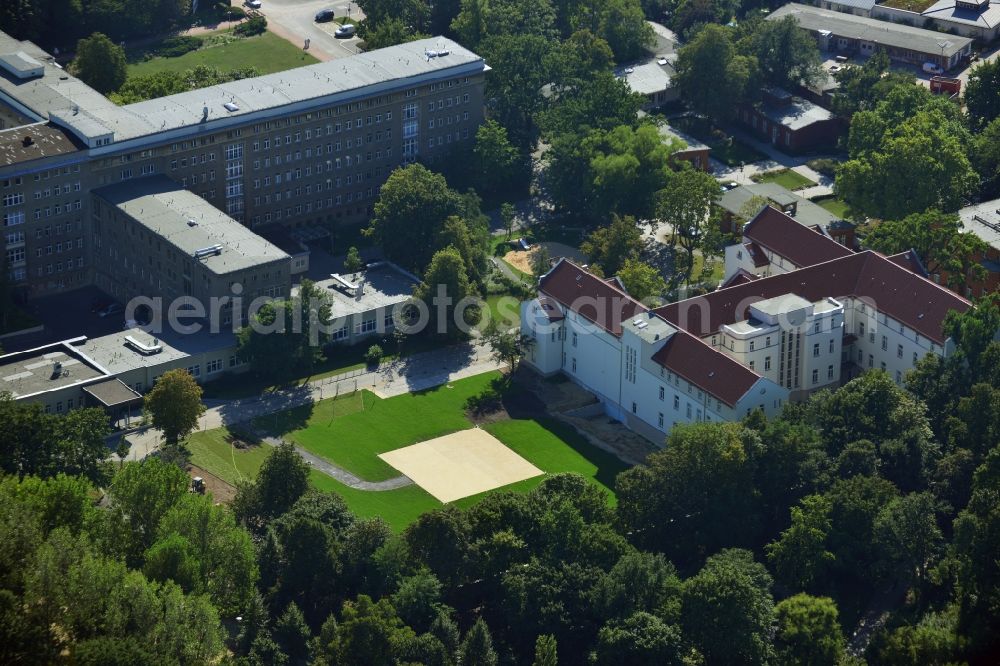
{"x": 917, "y": 6}
{"x": 787, "y": 178}
{"x": 268, "y": 53}
{"x": 352, "y": 431}
{"x": 835, "y": 206}
{"x": 503, "y": 309}
{"x": 211, "y": 450}
{"x": 370, "y": 426}
{"x": 553, "y": 446}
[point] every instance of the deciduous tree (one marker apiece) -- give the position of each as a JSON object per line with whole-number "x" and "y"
{"x": 711, "y": 76}
{"x": 611, "y": 246}
{"x": 938, "y": 240}
{"x": 175, "y": 404}
{"x": 808, "y": 633}
{"x": 982, "y": 93}
{"x": 730, "y": 596}
{"x": 100, "y": 63}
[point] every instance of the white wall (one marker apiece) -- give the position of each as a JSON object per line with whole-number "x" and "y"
{"x": 902, "y": 344}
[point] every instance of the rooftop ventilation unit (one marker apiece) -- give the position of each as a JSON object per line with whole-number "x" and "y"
{"x": 56, "y": 370}
{"x": 212, "y": 250}
{"x": 147, "y": 349}
{"x": 192, "y": 223}
{"x": 230, "y": 107}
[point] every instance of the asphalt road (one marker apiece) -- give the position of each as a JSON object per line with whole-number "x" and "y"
{"x": 293, "y": 20}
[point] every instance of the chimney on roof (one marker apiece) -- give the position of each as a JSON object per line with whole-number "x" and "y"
{"x": 27, "y": 141}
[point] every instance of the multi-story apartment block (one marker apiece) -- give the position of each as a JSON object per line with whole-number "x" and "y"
{"x": 754, "y": 345}
{"x": 303, "y": 147}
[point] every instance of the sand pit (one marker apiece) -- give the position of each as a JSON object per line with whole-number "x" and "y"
{"x": 463, "y": 463}
{"x": 521, "y": 260}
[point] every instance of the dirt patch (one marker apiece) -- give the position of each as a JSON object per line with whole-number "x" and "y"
{"x": 521, "y": 259}
{"x": 220, "y": 490}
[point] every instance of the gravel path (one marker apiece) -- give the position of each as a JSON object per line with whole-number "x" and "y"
{"x": 341, "y": 474}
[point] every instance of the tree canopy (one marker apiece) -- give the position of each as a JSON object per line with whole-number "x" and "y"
{"x": 100, "y": 63}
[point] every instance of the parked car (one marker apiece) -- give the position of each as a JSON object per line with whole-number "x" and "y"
{"x": 114, "y": 308}
{"x": 252, "y": 4}
{"x": 345, "y": 31}
{"x": 324, "y": 15}
{"x": 99, "y": 303}
{"x": 931, "y": 68}
{"x": 523, "y": 244}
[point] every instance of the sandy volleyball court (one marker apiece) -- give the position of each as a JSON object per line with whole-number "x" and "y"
{"x": 463, "y": 463}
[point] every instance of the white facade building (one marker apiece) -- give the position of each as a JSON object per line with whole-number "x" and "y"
{"x": 754, "y": 345}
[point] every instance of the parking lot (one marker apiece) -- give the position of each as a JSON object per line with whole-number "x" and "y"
{"x": 294, "y": 21}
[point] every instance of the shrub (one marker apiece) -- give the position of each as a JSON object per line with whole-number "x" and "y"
{"x": 255, "y": 26}
{"x": 234, "y": 14}
{"x": 488, "y": 400}
{"x": 178, "y": 46}
{"x": 825, "y": 166}
{"x": 374, "y": 355}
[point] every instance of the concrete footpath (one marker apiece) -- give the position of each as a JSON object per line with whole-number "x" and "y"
{"x": 415, "y": 373}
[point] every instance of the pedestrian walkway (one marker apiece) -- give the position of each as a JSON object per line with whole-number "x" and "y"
{"x": 341, "y": 474}
{"x": 415, "y": 373}
{"x": 775, "y": 160}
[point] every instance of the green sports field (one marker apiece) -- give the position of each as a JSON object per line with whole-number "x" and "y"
{"x": 351, "y": 431}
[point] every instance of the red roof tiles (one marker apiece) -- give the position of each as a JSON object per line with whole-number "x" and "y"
{"x": 599, "y": 301}
{"x": 710, "y": 370}
{"x": 911, "y": 299}
{"x": 782, "y": 235}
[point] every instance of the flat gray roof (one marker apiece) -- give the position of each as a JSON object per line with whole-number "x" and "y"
{"x": 646, "y": 78}
{"x": 781, "y": 304}
{"x": 807, "y": 212}
{"x": 983, "y": 220}
{"x": 385, "y": 285}
{"x": 114, "y": 353}
{"x": 88, "y": 113}
{"x": 166, "y": 209}
{"x": 33, "y": 371}
{"x": 946, "y": 10}
{"x": 112, "y": 392}
{"x": 867, "y": 5}
{"x": 873, "y": 30}
{"x": 303, "y": 84}
{"x": 796, "y": 113}
{"x": 56, "y": 91}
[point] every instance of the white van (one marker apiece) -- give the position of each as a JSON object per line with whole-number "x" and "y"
{"x": 931, "y": 68}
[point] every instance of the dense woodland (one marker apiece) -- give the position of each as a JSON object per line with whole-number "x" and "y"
{"x": 755, "y": 542}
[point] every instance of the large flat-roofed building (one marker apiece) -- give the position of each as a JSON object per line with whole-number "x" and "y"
{"x": 301, "y": 148}
{"x": 839, "y": 32}
{"x": 156, "y": 239}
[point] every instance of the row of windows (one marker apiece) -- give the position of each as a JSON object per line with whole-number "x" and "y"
{"x": 51, "y": 191}
{"x": 59, "y": 247}
{"x": 59, "y": 267}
